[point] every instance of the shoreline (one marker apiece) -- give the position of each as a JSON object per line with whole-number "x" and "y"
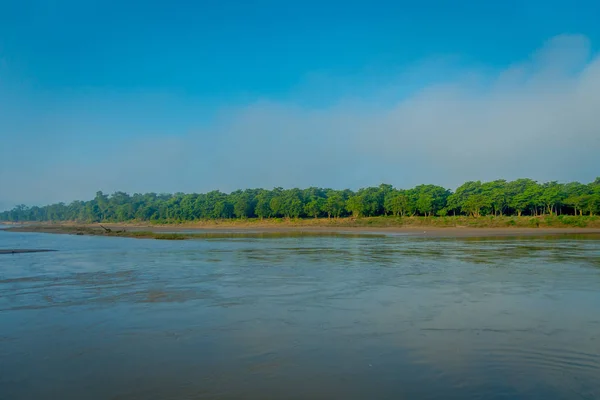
{"x": 191, "y": 231}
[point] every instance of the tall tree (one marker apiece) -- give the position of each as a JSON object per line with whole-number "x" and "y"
{"x": 521, "y": 197}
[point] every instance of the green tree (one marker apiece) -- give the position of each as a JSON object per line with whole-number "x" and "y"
{"x": 314, "y": 207}
{"x": 263, "y": 205}
{"x": 471, "y": 198}
{"x": 397, "y": 203}
{"x": 552, "y": 195}
{"x": 243, "y": 206}
{"x": 497, "y": 194}
{"x": 591, "y": 201}
{"x": 521, "y": 197}
{"x": 574, "y": 192}
{"x": 334, "y": 205}
{"x": 425, "y": 204}
{"x": 475, "y": 203}
{"x": 371, "y": 200}
{"x": 355, "y": 205}
{"x": 427, "y": 199}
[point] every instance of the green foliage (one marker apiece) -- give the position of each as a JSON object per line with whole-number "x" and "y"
{"x": 263, "y": 205}
{"x": 522, "y": 197}
{"x": 314, "y": 207}
{"x": 334, "y": 205}
{"x": 356, "y": 206}
{"x": 396, "y": 202}
{"x": 427, "y": 200}
{"x": 496, "y": 194}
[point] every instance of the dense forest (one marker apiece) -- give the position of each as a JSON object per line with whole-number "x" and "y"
{"x": 519, "y": 197}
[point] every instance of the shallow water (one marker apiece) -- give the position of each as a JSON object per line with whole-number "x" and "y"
{"x": 299, "y": 317}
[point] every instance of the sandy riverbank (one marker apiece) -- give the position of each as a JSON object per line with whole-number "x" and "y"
{"x": 188, "y": 231}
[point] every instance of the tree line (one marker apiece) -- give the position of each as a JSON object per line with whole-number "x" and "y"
{"x": 499, "y": 197}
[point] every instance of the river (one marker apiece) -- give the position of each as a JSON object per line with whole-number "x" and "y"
{"x": 300, "y": 318}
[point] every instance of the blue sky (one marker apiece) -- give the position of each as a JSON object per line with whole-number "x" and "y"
{"x": 194, "y": 96}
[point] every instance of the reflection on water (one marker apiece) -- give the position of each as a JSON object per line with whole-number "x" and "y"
{"x": 300, "y": 317}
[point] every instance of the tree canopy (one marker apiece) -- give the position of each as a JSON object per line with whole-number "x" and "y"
{"x": 499, "y": 197}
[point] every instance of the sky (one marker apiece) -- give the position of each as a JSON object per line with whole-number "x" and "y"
{"x": 178, "y": 96}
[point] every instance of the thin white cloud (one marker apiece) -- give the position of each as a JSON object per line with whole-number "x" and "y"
{"x": 538, "y": 119}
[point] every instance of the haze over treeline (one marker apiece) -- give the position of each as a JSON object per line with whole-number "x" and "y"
{"x": 429, "y": 119}
{"x": 473, "y": 198}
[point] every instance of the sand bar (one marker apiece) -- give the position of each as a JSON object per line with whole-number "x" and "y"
{"x": 95, "y": 229}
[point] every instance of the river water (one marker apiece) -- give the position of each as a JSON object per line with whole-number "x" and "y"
{"x": 300, "y": 318}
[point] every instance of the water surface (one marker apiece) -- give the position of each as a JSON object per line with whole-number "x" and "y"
{"x": 300, "y": 317}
